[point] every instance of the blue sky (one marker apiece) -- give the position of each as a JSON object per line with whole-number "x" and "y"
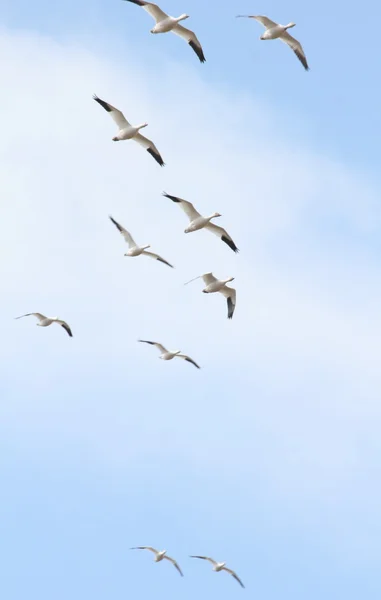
{"x": 269, "y": 456}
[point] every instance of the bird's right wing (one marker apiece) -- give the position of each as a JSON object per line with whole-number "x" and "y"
{"x": 39, "y": 316}
{"x": 127, "y": 236}
{"x": 159, "y": 346}
{"x": 187, "y": 207}
{"x": 265, "y": 21}
{"x": 206, "y": 558}
{"x": 145, "y": 548}
{"x": 153, "y": 9}
{"x": 209, "y": 278}
{"x": 116, "y": 114}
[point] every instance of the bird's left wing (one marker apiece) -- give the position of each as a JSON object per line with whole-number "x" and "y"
{"x": 172, "y": 560}
{"x": 157, "y": 257}
{"x": 150, "y": 147}
{"x": 234, "y": 575}
{"x": 191, "y": 39}
{"x": 230, "y": 294}
{"x": 66, "y": 327}
{"x": 296, "y": 47}
{"x": 222, "y": 234}
{"x": 187, "y": 358}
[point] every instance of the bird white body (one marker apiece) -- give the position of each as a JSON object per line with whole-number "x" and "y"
{"x": 46, "y": 321}
{"x": 168, "y": 24}
{"x": 275, "y": 32}
{"x": 217, "y": 286}
{"x": 200, "y": 223}
{"x": 160, "y": 555}
{"x": 169, "y": 355}
{"x": 128, "y": 133}
{"x": 137, "y": 250}
{"x": 219, "y": 567}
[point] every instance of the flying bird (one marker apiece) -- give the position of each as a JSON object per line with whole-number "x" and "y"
{"x": 197, "y": 221}
{"x": 136, "y": 250}
{"x": 168, "y": 355}
{"x": 130, "y": 132}
{"x": 274, "y": 31}
{"x": 165, "y": 23}
{"x": 220, "y": 566}
{"x": 46, "y": 321}
{"x": 214, "y": 285}
{"x": 159, "y": 556}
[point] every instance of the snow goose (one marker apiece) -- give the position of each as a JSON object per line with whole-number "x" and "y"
{"x": 274, "y": 31}
{"x": 167, "y": 354}
{"x": 159, "y": 556}
{"x": 46, "y": 321}
{"x": 214, "y": 285}
{"x": 220, "y": 566}
{"x": 197, "y": 221}
{"x": 165, "y": 23}
{"x": 129, "y": 132}
{"x": 136, "y": 250}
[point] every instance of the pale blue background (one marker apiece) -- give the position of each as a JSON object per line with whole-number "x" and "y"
{"x": 67, "y": 520}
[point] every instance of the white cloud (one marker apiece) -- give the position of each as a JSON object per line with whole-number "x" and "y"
{"x": 306, "y": 330}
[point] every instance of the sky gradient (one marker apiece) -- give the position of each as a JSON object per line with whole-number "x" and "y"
{"x": 269, "y": 457}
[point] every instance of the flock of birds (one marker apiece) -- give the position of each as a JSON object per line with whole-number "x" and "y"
{"x": 217, "y": 566}
{"x": 164, "y": 24}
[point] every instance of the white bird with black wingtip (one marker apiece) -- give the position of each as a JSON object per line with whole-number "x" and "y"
{"x": 159, "y": 556}
{"x": 220, "y": 566}
{"x": 168, "y": 354}
{"x": 214, "y": 285}
{"x": 165, "y": 23}
{"x": 276, "y": 31}
{"x": 136, "y": 250}
{"x": 197, "y": 221}
{"x": 130, "y": 132}
{"x": 46, "y": 321}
